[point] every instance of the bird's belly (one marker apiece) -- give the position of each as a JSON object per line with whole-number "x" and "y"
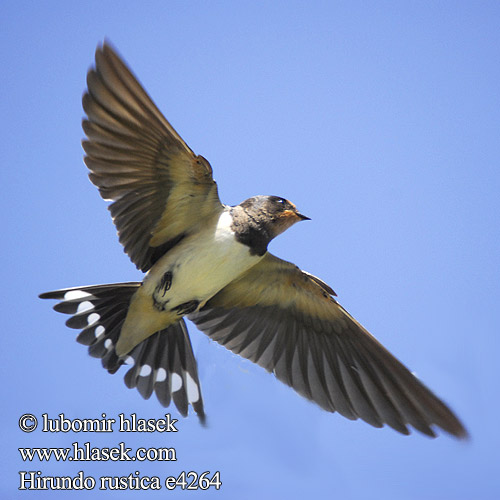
{"x": 196, "y": 270}
{"x": 183, "y": 280}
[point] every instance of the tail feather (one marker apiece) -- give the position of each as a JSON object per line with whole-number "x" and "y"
{"x": 164, "y": 363}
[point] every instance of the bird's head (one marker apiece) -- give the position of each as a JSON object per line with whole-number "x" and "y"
{"x": 272, "y": 213}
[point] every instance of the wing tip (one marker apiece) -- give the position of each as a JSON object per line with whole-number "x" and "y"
{"x": 458, "y": 431}
{"x": 104, "y": 47}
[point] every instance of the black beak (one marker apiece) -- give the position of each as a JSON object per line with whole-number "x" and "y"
{"x": 303, "y": 217}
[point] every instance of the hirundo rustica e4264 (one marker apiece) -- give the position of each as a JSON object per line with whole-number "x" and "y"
{"x": 208, "y": 262}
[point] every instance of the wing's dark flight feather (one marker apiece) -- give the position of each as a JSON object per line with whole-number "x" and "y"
{"x": 319, "y": 349}
{"x": 159, "y": 188}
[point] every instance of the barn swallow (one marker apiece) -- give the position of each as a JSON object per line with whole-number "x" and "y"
{"x": 208, "y": 262}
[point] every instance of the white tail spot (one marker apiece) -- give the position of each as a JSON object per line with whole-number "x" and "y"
{"x": 84, "y": 306}
{"x": 108, "y": 344}
{"x": 161, "y": 375}
{"x": 93, "y": 318}
{"x": 145, "y": 371}
{"x": 193, "y": 393}
{"x": 129, "y": 360}
{"x": 99, "y": 331}
{"x": 76, "y": 294}
{"x": 176, "y": 382}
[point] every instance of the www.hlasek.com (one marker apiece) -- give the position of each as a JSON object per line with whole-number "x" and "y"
{"x": 35, "y": 480}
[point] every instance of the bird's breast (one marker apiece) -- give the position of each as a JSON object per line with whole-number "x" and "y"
{"x": 198, "y": 267}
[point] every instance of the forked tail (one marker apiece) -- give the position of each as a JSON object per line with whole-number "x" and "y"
{"x": 163, "y": 363}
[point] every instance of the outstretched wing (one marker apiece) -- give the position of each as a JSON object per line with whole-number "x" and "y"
{"x": 160, "y": 189}
{"x": 287, "y": 321}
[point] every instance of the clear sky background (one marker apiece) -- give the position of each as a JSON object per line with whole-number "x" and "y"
{"x": 380, "y": 120}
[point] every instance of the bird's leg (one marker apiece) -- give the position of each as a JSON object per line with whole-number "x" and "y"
{"x": 187, "y": 307}
{"x": 162, "y": 288}
{"x": 165, "y": 284}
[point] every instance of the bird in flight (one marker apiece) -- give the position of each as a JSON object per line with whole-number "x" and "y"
{"x": 208, "y": 262}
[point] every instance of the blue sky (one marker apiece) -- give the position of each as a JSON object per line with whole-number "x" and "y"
{"x": 379, "y": 120}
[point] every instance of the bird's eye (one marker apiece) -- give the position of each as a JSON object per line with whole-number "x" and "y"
{"x": 279, "y": 203}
